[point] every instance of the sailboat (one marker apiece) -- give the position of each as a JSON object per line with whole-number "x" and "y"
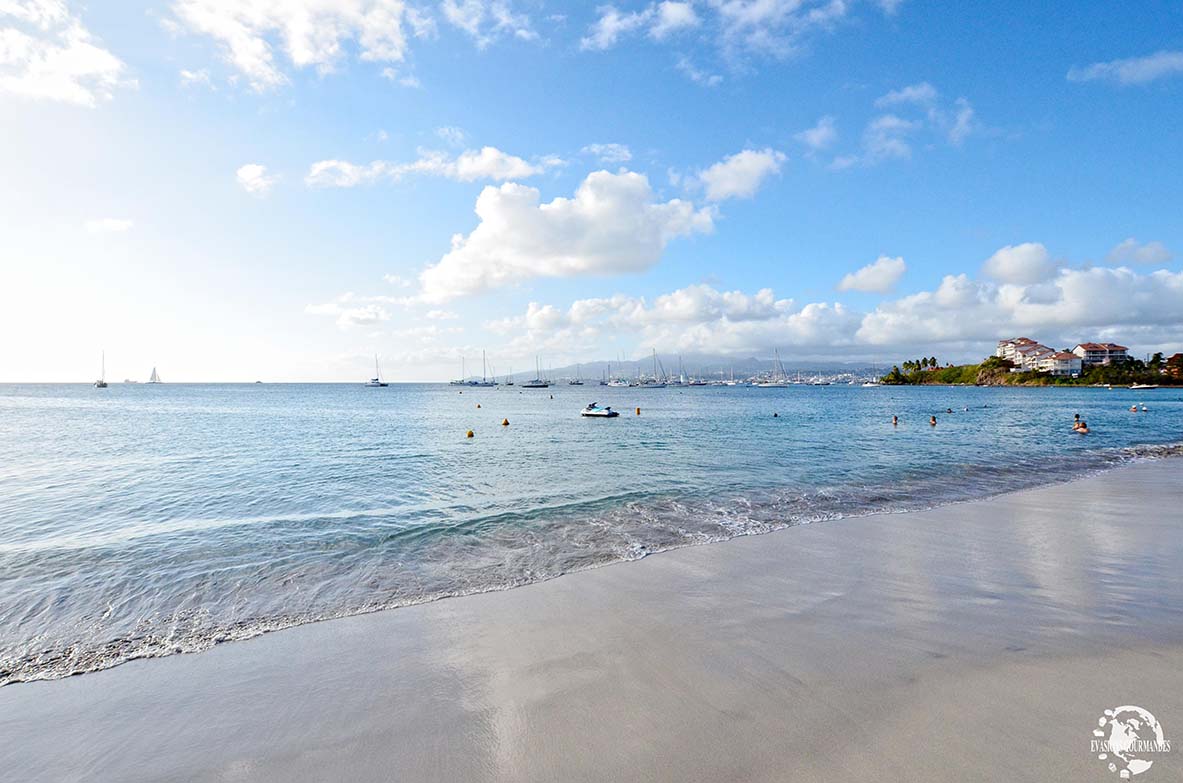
{"x": 376, "y": 382}
{"x": 578, "y": 379}
{"x": 656, "y": 382}
{"x": 484, "y": 381}
{"x": 154, "y": 377}
{"x": 537, "y": 382}
{"x": 778, "y": 379}
{"x": 101, "y": 383}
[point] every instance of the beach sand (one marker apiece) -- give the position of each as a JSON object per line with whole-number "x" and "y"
{"x": 974, "y": 642}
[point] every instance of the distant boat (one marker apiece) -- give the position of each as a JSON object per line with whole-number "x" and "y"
{"x": 101, "y": 383}
{"x": 872, "y": 385}
{"x": 779, "y": 379}
{"x": 484, "y": 381}
{"x": 1144, "y": 386}
{"x": 154, "y": 377}
{"x": 537, "y": 381}
{"x": 376, "y": 382}
{"x": 578, "y": 379}
{"x": 656, "y": 382}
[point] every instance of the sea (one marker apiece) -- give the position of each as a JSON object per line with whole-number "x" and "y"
{"x": 148, "y": 520}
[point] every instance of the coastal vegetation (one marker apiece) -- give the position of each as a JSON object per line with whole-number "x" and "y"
{"x": 995, "y": 371}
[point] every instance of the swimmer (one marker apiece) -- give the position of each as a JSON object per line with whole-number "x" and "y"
{"x": 895, "y": 420}
{"x": 1082, "y": 428}
{"x": 932, "y": 420}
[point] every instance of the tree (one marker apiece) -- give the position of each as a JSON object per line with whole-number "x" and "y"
{"x": 1156, "y": 361}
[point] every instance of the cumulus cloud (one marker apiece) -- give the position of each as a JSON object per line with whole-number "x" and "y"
{"x": 1132, "y": 252}
{"x": 486, "y": 163}
{"x": 922, "y": 93}
{"x": 609, "y": 153}
{"x": 310, "y": 33}
{"x": 961, "y": 315}
{"x": 879, "y": 277}
{"x": 611, "y": 226}
{"x": 196, "y": 78}
{"x": 671, "y": 17}
{"x": 108, "y": 225}
{"x": 1021, "y": 264}
{"x": 1134, "y": 70}
{"x": 47, "y": 53}
{"x": 740, "y": 175}
{"x": 820, "y": 136}
{"x": 254, "y": 179}
{"x": 452, "y": 135}
{"x": 487, "y": 20}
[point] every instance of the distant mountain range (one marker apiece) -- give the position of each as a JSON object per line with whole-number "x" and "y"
{"x": 698, "y": 366}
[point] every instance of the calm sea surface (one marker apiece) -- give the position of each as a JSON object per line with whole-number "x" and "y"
{"x": 146, "y": 520}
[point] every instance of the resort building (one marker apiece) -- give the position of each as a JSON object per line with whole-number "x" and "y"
{"x": 1028, "y": 355}
{"x": 1061, "y": 363}
{"x": 1094, "y": 354}
{"x": 1007, "y": 349}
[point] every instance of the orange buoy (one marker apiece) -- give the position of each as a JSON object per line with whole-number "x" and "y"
{"x": 638, "y": 411}
{"x": 505, "y": 422}
{"x": 470, "y": 434}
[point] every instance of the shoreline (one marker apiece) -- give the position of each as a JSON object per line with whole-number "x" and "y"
{"x": 741, "y": 660}
{"x": 1137, "y": 454}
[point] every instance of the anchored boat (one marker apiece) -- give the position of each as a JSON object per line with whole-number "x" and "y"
{"x": 593, "y": 410}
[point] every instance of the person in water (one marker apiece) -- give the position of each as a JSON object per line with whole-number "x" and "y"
{"x": 895, "y": 420}
{"x": 932, "y": 420}
{"x": 1081, "y": 427}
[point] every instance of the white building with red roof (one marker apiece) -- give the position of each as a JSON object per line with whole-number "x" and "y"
{"x": 1094, "y": 354}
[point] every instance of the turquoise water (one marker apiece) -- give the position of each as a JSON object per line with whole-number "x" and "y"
{"x": 147, "y": 520}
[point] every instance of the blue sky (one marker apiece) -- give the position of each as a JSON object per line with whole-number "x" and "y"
{"x": 283, "y": 188}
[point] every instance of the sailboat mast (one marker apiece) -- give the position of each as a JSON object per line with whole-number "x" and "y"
{"x": 483, "y": 371}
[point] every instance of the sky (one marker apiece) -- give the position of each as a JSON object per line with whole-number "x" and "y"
{"x": 232, "y": 190}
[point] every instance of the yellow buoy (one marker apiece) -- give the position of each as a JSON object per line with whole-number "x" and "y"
{"x": 638, "y": 411}
{"x": 505, "y": 422}
{"x": 470, "y": 434}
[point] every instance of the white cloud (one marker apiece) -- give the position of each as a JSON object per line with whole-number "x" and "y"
{"x": 886, "y": 137}
{"x": 452, "y": 135}
{"x": 661, "y": 20}
{"x": 820, "y": 136}
{"x": 1020, "y": 264}
{"x": 672, "y": 17}
{"x": 611, "y": 25}
{"x": 611, "y": 226}
{"x": 889, "y": 7}
{"x": 1132, "y": 252}
{"x": 879, "y": 277}
{"x": 487, "y": 20}
{"x": 1135, "y": 70}
{"x": 963, "y": 122}
{"x": 441, "y": 315}
{"x": 470, "y": 166}
{"x": 46, "y": 53}
{"x": 697, "y": 75}
{"x": 922, "y": 93}
{"x": 774, "y": 27}
{"x": 740, "y": 175}
{"x": 398, "y": 280}
{"x": 109, "y": 225}
{"x": 311, "y": 33}
{"x": 401, "y": 79}
{"x": 197, "y": 78}
{"x": 962, "y": 316}
{"x": 254, "y": 179}
{"x": 350, "y": 311}
{"x": 609, "y": 153}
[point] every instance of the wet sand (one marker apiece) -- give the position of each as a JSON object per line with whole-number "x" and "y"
{"x": 975, "y": 642}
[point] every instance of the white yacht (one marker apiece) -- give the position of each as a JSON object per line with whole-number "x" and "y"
{"x": 154, "y": 377}
{"x": 376, "y": 382}
{"x": 101, "y": 383}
